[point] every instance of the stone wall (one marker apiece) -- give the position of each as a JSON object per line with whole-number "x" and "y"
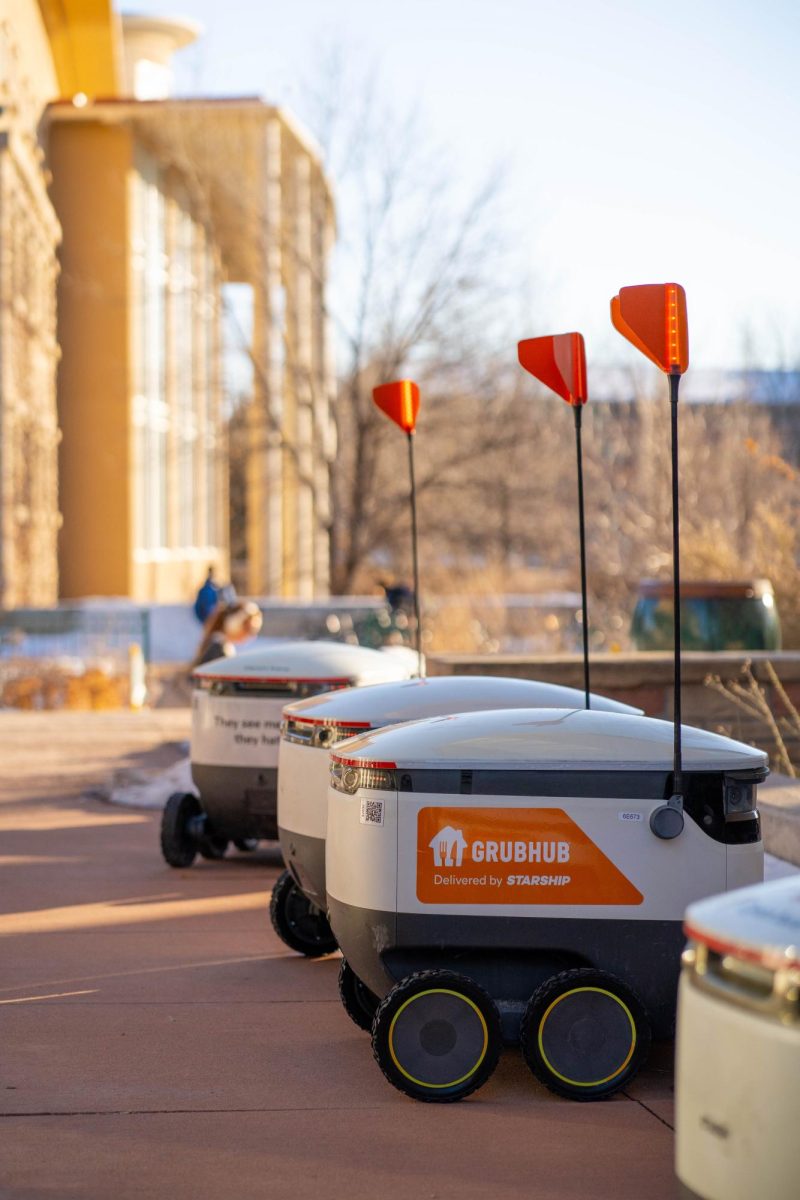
{"x": 645, "y": 680}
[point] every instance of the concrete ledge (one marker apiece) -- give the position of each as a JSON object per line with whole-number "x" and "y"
{"x": 779, "y": 805}
{"x": 644, "y": 669}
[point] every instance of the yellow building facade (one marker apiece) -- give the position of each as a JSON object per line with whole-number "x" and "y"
{"x": 29, "y": 236}
{"x": 142, "y": 467}
{"x": 46, "y": 48}
{"x": 154, "y": 204}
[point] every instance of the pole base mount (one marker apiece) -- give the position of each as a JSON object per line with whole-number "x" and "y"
{"x": 667, "y": 821}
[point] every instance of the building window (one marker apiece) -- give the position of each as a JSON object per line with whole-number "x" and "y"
{"x": 150, "y": 410}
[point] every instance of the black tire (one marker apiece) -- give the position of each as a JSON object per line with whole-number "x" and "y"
{"x": 298, "y": 922}
{"x": 213, "y": 845}
{"x": 585, "y": 1034}
{"x": 437, "y": 1036}
{"x": 246, "y": 845}
{"x": 178, "y": 846}
{"x": 359, "y": 1002}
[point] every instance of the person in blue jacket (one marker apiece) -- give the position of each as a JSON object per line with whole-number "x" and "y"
{"x": 207, "y": 598}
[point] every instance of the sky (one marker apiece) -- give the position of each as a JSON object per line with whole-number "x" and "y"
{"x": 643, "y": 142}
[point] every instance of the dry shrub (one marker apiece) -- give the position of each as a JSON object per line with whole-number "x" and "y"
{"x": 780, "y": 731}
{"x": 499, "y": 515}
{"x": 42, "y": 684}
{"x": 739, "y": 505}
{"x": 464, "y": 610}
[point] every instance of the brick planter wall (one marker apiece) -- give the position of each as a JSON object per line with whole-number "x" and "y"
{"x": 645, "y": 680}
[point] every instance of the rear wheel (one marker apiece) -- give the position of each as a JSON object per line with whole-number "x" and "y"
{"x": 298, "y": 922}
{"x": 585, "y": 1034}
{"x": 359, "y": 1002}
{"x": 213, "y": 845}
{"x": 178, "y": 844}
{"x": 437, "y": 1036}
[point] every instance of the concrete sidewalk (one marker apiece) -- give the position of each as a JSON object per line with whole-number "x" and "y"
{"x": 160, "y": 1043}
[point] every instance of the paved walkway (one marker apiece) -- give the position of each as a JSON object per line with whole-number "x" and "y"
{"x": 159, "y": 1043}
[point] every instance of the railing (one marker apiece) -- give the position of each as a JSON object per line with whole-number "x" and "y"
{"x": 73, "y": 657}
{"x": 73, "y": 632}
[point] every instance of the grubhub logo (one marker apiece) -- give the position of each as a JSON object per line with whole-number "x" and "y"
{"x": 513, "y": 856}
{"x": 448, "y": 846}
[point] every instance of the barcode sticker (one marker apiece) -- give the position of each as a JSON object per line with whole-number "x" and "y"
{"x": 371, "y": 812}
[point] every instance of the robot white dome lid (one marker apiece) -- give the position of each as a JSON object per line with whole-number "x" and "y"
{"x": 549, "y": 739}
{"x": 309, "y": 661}
{"x": 383, "y": 704}
{"x": 759, "y": 924}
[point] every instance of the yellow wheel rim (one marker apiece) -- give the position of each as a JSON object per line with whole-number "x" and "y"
{"x": 439, "y": 992}
{"x": 592, "y": 1082}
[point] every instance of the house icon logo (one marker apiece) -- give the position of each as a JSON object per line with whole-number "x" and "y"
{"x": 448, "y": 847}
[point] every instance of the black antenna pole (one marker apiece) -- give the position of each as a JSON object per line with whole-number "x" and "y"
{"x": 578, "y": 409}
{"x": 667, "y": 820}
{"x": 677, "y": 786}
{"x": 415, "y": 556}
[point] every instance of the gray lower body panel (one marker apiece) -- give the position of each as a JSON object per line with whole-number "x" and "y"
{"x": 240, "y": 802}
{"x": 511, "y": 956}
{"x": 305, "y": 858}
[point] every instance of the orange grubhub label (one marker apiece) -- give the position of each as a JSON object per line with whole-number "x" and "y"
{"x": 513, "y": 856}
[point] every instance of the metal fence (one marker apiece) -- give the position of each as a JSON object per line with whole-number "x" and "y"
{"x": 75, "y": 657}
{"x": 73, "y": 632}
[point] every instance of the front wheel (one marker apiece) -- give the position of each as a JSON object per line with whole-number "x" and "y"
{"x": 359, "y": 1002}
{"x": 178, "y": 844}
{"x": 585, "y": 1034}
{"x": 436, "y": 1036}
{"x": 246, "y": 845}
{"x": 298, "y": 922}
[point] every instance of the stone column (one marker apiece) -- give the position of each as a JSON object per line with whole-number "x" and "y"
{"x": 264, "y": 472}
{"x": 302, "y": 372}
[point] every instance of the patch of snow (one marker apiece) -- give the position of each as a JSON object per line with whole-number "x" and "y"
{"x": 777, "y": 868}
{"x": 150, "y": 788}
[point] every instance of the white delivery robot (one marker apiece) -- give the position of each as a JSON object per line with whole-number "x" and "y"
{"x": 312, "y": 727}
{"x": 236, "y": 714}
{"x": 738, "y": 1050}
{"x": 506, "y": 876}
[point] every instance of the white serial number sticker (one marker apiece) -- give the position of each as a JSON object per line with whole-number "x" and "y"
{"x": 630, "y": 816}
{"x": 371, "y": 812}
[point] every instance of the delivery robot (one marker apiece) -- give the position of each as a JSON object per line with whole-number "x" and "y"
{"x": 236, "y": 713}
{"x": 506, "y": 876}
{"x": 737, "y": 1085}
{"x": 312, "y": 727}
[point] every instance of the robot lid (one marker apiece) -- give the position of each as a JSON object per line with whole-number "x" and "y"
{"x": 759, "y": 924}
{"x": 276, "y": 662}
{"x": 548, "y": 739}
{"x": 414, "y": 699}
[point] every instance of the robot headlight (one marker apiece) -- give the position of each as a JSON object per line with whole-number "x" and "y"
{"x": 351, "y": 778}
{"x": 739, "y": 798}
{"x": 324, "y": 737}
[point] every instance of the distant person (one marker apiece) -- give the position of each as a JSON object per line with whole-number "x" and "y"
{"x": 207, "y": 599}
{"x": 227, "y": 626}
{"x": 399, "y": 597}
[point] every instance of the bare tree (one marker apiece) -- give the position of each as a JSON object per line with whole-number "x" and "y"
{"x": 419, "y": 272}
{"x": 428, "y": 295}
{"x": 739, "y": 502}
